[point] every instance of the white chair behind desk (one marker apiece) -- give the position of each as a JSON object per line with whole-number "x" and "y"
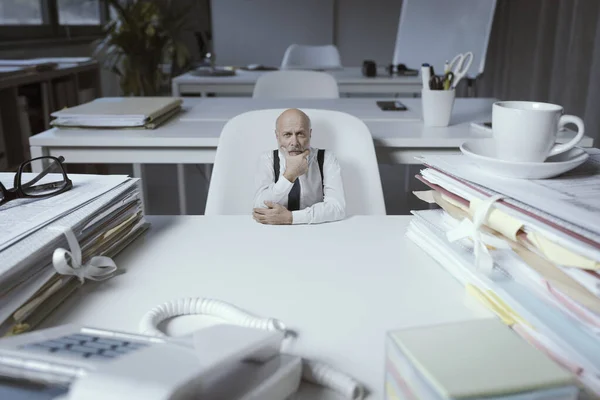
{"x": 247, "y": 135}
{"x": 296, "y": 84}
{"x": 311, "y": 57}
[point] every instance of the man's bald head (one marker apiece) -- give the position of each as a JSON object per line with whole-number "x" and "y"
{"x": 293, "y": 131}
{"x": 292, "y": 115}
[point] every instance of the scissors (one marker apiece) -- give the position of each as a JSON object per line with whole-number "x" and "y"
{"x": 460, "y": 66}
{"x": 444, "y": 82}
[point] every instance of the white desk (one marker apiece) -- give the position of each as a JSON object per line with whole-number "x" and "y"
{"x": 195, "y": 141}
{"x": 350, "y": 81}
{"x": 225, "y": 108}
{"x": 341, "y": 296}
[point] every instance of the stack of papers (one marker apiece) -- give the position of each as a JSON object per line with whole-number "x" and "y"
{"x": 103, "y": 213}
{"x": 119, "y": 112}
{"x": 534, "y": 260}
{"x": 479, "y": 359}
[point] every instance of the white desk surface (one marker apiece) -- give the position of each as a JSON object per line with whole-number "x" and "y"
{"x": 340, "y": 286}
{"x": 225, "y": 108}
{"x": 206, "y": 130}
{"x": 348, "y": 75}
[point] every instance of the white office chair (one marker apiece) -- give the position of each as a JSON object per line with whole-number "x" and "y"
{"x": 247, "y": 135}
{"x": 299, "y": 56}
{"x": 296, "y": 84}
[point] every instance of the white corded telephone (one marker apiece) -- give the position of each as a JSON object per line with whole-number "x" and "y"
{"x": 220, "y": 362}
{"x": 239, "y": 361}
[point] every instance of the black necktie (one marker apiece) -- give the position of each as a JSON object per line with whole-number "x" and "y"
{"x": 294, "y": 196}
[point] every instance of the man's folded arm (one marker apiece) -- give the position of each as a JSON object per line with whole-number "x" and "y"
{"x": 333, "y": 206}
{"x": 266, "y": 189}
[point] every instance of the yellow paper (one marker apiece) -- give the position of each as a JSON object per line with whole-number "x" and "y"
{"x": 558, "y": 279}
{"x": 33, "y": 303}
{"x": 454, "y": 202}
{"x": 495, "y": 304}
{"x": 509, "y": 226}
{"x": 454, "y": 211}
{"x": 117, "y": 228}
{"x": 391, "y": 393}
{"x": 499, "y": 221}
{"x": 560, "y": 255}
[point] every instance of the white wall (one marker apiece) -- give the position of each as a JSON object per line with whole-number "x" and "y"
{"x": 259, "y": 31}
{"x": 366, "y": 30}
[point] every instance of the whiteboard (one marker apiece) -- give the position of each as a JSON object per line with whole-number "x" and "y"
{"x": 259, "y": 31}
{"x": 433, "y": 31}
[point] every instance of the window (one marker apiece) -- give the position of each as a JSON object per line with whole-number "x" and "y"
{"x": 21, "y": 12}
{"x": 79, "y": 12}
{"x": 51, "y": 19}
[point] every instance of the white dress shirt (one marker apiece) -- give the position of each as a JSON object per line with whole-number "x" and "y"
{"x": 315, "y": 206}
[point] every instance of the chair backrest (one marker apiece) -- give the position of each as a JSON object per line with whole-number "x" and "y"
{"x": 299, "y": 56}
{"x": 296, "y": 84}
{"x": 246, "y": 136}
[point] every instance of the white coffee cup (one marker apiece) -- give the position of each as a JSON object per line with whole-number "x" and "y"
{"x": 526, "y": 131}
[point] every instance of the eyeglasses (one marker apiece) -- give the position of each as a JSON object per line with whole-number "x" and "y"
{"x": 51, "y": 181}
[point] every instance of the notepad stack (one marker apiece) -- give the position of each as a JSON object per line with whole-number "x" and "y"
{"x": 119, "y": 112}
{"x": 479, "y": 359}
{"x": 529, "y": 250}
{"x": 42, "y": 239}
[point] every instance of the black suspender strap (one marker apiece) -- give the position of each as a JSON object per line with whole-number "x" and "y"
{"x": 276, "y": 164}
{"x": 320, "y": 161}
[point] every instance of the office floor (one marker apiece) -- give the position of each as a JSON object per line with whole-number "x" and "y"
{"x": 161, "y": 186}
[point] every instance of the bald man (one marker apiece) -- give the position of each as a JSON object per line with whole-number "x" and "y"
{"x": 298, "y": 184}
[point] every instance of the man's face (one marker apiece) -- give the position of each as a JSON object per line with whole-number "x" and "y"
{"x": 293, "y": 134}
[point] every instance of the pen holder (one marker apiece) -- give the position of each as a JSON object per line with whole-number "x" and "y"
{"x": 437, "y": 106}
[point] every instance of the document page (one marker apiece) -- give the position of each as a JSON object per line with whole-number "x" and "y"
{"x": 573, "y": 197}
{"x": 17, "y": 255}
{"x": 21, "y": 217}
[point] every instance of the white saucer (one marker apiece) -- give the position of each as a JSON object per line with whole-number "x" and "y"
{"x": 481, "y": 152}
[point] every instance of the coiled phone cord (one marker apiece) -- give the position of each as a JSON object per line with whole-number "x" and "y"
{"x": 312, "y": 371}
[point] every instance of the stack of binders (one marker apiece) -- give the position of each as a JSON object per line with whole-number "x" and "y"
{"x": 119, "y": 112}
{"x": 49, "y": 247}
{"x": 529, "y": 250}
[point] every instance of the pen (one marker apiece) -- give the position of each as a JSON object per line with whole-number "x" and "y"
{"x": 446, "y": 67}
{"x": 425, "y": 75}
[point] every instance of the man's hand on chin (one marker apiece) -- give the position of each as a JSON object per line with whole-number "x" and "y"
{"x": 276, "y": 214}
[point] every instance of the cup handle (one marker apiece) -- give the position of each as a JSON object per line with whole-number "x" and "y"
{"x": 565, "y": 119}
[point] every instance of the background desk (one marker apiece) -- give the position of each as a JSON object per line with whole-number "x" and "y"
{"x": 350, "y": 81}
{"x": 341, "y": 296}
{"x": 28, "y": 98}
{"x": 192, "y": 137}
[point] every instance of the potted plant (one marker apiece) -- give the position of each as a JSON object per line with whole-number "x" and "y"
{"x": 144, "y": 36}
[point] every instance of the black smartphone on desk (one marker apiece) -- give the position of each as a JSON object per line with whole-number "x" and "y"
{"x": 391, "y": 106}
